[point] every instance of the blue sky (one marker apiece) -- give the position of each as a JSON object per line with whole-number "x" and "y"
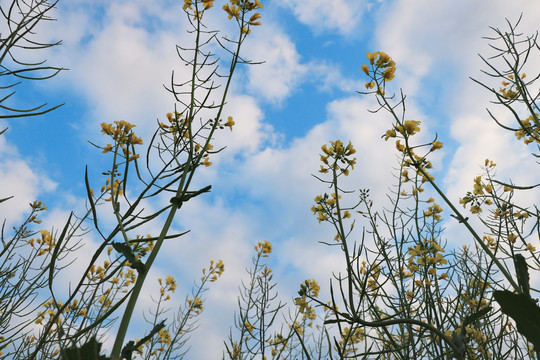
{"x": 119, "y": 55}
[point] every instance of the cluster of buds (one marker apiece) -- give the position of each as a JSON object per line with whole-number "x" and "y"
{"x": 169, "y": 286}
{"x": 529, "y": 131}
{"x": 197, "y": 14}
{"x": 214, "y": 271}
{"x": 178, "y": 124}
{"x": 123, "y": 136}
{"x": 508, "y": 92}
{"x": 263, "y": 248}
{"x": 382, "y": 70}
{"x": 309, "y": 288}
{"x": 46, "y": 243}
{"x": 341, "y": 155}
{"x": 427, "y": 254}
{"x": 238, "y": 9}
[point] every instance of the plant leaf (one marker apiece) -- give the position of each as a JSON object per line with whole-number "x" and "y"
{"x": 88, "y": 351}
{"x": 525, "y": 313}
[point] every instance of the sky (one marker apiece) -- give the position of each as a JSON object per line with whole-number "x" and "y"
{"x": 119, "y": 55}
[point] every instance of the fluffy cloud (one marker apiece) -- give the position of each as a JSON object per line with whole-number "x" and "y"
{"x": 282, "y": 71}
{"x": 320, "y": 15}
{"x": 22, "y": 179}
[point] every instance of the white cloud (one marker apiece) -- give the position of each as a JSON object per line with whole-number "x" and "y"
{"x": 22, "y": 179}
{"x": 250, "y": 131}
{"x": 320, "y": 15}
{"x": 437, "y": 38}
{"x": 282, "y": 71}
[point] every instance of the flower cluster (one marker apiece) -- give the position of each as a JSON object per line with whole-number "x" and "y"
{"x": 374, "y": 273}
{"x": 46, "y": 243}
{"x": 403, "y": 131}
{"x": 123, "y": 136}
{"x": 278, "y": 344}
{"x": 178, "y": 125}
{"x": 179, "y": 128}
{"x": 529, "y": 132}
{"x": 481, "y": 194}
{"x": 350, "y": 338}
{"x": 263, "y": 248}
{"x": 197, "y": 14}
{"x": 114, "y": 188}
{"x": 434, "y": 212}
{"x": 238, "y": 10}
{"x": 164, "y": 338}
{"x": 38, "y": 206}
{"x": 195, "y": 305}
{"x": 382, "y": 70}
{"x": 341, "y": 156}
{"x": 509, "y": 92}
{"x": 51, "y": 308}
{"x": 169, "y": 286}
{"x": 427, "y": 255}
{"x": 214, "y": 271}
{"x": 309, "y": 288}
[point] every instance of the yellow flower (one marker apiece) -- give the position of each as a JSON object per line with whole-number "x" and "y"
{"x": 134, "y": 140}
{"x": 370, "y": 85}
{"x": 405, "y": 175}
{"x": 208, "y": 4}
{"x": 263, "y": 248}
{"x": 187, "y": 5}
{"x": 253, "y": 19}
{"x": 365, "y": 69}
{"x": 411, "y": 126}
{"x": 384, "y": 59}
{"x": 206, "y": 162}
{"x": 389, "y": 134}
{"x": 230, "y": 122}
{"x": 107, "y": 148}
{"x": 371, "y": 57}
{"x": 232, "y": 11}
{"x": 388, "y": 74}
{"x": 476, "y": 209}
{"x": 313, "y": 286}
{"x": 301, "y": 303}
{"x": 443, "y": 276}
{"x": 171, "y": 283}
{"x": 436, "y": 146}
{"x": 107, "y": 128}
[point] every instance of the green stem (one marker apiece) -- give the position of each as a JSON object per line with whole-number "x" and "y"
{"x": 138, "y": 286}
